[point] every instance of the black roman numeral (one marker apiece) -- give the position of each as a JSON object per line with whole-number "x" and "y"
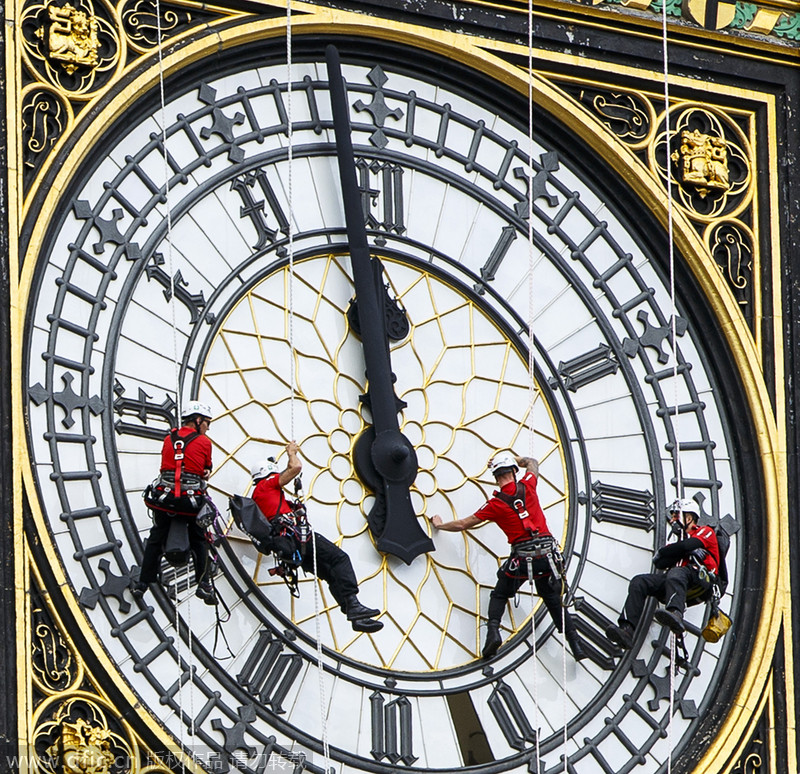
{"x": 143, "y": 410}
{"x": 194, "y": 302}
{"x": 269, "y": 673}
{"x": 510, "y": 716}
{"x": 592, "y": 625}
{"x": 620, "y": 505}
{"x": 588, "y": 367}
{"x": 383, "y": 205}
{"x": 499, "y": 251}
{"x": 256, "y": 209}
{"x": 391, "y": 729}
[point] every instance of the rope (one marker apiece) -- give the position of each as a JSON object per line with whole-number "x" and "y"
{"x": 671, "y": 236}
{"x": 292, "y": 386}
{"x": 176, "y": 376}
{"x": 564, "y": 707}
{"x": 170, "y": 266}
{"x": 531, "y": 356}
{"x": 322, "y": 712}
{"x": 290, "y": 192}
{"x": 536, "y": 718}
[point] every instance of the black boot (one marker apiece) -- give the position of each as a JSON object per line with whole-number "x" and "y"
{"x": 355, "y": 611}
{"x": 671, "y": 618}
{"x": 493, "y": 638}
{"x": 575, "y": 643}
{"x": 621, "y": 635}
{"x": 368, "y": 625}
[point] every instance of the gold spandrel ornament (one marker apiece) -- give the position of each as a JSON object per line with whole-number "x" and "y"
{"x": 80, "y": 735}
{"x": 72, "y": 37}
{"x": 703, "y": 161}
{"x": 711, "y": 161}
{"x": 74, "y": 47}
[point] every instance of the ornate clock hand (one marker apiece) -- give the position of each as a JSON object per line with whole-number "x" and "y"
{"x": 384, "y": 457}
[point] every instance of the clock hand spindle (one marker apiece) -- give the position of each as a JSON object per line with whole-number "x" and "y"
{"x": 384, "y": 458}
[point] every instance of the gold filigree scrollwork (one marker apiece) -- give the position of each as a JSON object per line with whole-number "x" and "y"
{"x": 710, "y": 161}
{"x": 74, "y": 46}
{"x": 752, "y": 762}
{"x": 140, "y": 23}
{"x": 81, "y": 736}
{"x": 45, "y": 116}
{"x": 732, "y": 245}
{"x": 628, "y": 115}
{"x": 54, "y": 666}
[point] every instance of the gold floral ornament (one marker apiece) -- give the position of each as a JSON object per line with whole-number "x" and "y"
{"x": 74, "y": 46}
{"x": 710, "y": 159}
{"x": 703, "y": 161}
{"x": 80, "y": 738}
{"x": 71, "y": 37}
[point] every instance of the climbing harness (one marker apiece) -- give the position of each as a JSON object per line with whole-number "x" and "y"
{"x": 291, "y": 534}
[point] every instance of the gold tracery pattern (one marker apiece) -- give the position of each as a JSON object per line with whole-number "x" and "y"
{"x": 466, "y": 387}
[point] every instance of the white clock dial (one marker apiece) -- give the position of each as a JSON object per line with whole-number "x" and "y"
{"x": 121, "y": 298}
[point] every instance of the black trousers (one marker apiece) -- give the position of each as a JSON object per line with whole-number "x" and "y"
{"x": 333, "y": 566}
{"x": 154, "y": 547}
{"x": 510, "y": 577}
{"x": 669, "y": 587}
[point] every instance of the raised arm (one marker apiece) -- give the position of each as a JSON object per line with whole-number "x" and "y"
{"x": 293, "y": 466}
{"x": 530, "y": 465}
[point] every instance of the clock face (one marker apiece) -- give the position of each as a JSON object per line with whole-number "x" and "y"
{"x": 134, "y": 302}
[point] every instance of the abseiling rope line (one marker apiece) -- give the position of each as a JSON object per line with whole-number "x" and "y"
{"x": 178, "y": 400}
{"x": 292, "y": 364}
{"x": 673, "y": 324}
{"x": 531, "y": 433}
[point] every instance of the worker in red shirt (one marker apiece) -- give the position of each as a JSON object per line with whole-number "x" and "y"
{"x": 690, "y": 563}
{"x": 527, "y": 535}
{"x": 191, "y": 440}
{"x": 333, "y": 565}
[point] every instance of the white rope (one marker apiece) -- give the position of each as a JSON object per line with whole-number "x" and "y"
{"x": 170, "y": 267}
{"x": 671, "y": 236}
{"x": 536, "y": 715}
{"x": 322, "y": 699}
{"x": 292, "y": 389}
{"x": 531, "y": 354}
{"x": 290, "y": 193}
{"x": 564, "y": 707}
{"x": 672, "y": 648}
{"x": 176, "y": 376}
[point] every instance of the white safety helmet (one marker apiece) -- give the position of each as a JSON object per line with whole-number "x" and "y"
{"x": 194, "y": 408}
{"x": 685, "y": 506}
{"x": 263, "y": 468}
{"x": 502, "y": 462}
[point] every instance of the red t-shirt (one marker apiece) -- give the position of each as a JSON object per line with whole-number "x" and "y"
{"x": 196, "y": 454}
{"x": 708, "y": 538}
{"x": 270, "y": 498}
{"x": 508, "y": 519}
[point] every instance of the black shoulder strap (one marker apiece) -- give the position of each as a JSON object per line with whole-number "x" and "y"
{"x": 510, "y": 499}
{"x": 186, "y": 440}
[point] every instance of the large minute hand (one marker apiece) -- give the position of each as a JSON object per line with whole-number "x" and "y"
{"x": 392, "y": 459}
